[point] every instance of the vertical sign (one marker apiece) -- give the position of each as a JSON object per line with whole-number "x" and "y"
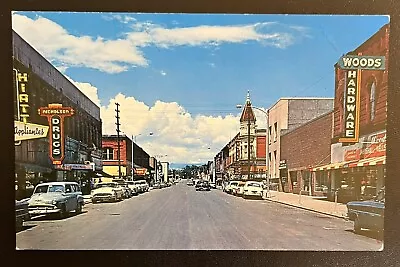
{"x": 22, "y": 97}
{"x": 55, "y": 114}
{"x": 354, "y": 64}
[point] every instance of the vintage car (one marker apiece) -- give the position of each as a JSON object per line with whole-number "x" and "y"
{"x": 144, "y": 185}
{"x": 253, "y": 189}
{"x": 107, "y": 191}
{"x": 239, "y": 189}
{"x": 56, "y": 198}
{"x": 127, "y": 190}
{"x": 202, "y": 186}
{"x": 368, "y": 214}
{"x": 134, "y": 188}
{"x": 21, "y": 213}
{"x": 228, "y": 188}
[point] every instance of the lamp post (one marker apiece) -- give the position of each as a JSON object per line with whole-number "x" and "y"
{"x": 266, "y": 152}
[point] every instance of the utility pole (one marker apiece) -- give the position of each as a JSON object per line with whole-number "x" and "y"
{"x": 118, "y": 142}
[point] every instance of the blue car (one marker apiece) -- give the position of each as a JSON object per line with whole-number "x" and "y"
{"x": 368, "y": 214}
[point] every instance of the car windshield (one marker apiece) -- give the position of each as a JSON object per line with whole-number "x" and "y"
{"x": 41, "y": 189}
{"x": 254, "y": 185}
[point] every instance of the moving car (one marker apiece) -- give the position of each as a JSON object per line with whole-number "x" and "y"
{"x": 56, "y": 198}
{"x": 253, "y": 189}
{"x": 368, "y": 214}
{"x": 21, "y": 213}
{"x": 110, "y": 191}
{"x": 202, "y": 186}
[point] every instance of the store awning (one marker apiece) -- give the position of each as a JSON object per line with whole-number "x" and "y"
{"x": 369, "y": 162}
{"x": 331, "y": 166}
{"x": 352, "y": 164}
{"x": 103, "y": 174}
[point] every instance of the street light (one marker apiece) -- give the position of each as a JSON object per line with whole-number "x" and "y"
{"x": 266, "y": 135}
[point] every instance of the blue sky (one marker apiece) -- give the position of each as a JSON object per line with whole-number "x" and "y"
{"x": 204, "y": 63}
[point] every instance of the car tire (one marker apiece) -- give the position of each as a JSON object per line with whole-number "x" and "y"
{"x": 94, "y": 201}
{"x": 78, "y": 208}
{"x": 19, "y": 224}
{"x": 63, "y": 212}
{"x": 357, "y": 226}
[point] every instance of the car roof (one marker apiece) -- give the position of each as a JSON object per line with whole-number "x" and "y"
{"x": 57, "y": 183}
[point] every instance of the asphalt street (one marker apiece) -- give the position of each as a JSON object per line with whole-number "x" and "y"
{"x": 178, "y": 218}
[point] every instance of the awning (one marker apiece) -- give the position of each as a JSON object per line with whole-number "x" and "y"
{"x": 352, "y": 164}
{"x": 369, "y": 162}
{"x": 331, "y": 166}
{"x": 103, "y": 174}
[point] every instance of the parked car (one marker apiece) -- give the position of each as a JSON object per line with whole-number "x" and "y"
{"x": 21, "y": 213}
{"x": 368, "y": 214}
{"x": 133, "y": 187}
{"x": 252, "y": 189}
{"x": 190, "y": 182}
{"x": 145, "y": 186}
{"x": 127, "y": 192}
{"x": 238, "y": 190}
{"x": 56, "y": 198}
{"x": 157, "y": 186}
{"x": 110, "y": 191}
{"x": 229, "y": 187}
{"x": 213, "y": 185}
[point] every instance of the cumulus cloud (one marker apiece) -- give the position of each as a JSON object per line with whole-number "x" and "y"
{"x": 118, "y": 55}
{"x": 163, "y": 73}
{"x": 176, "y": 133}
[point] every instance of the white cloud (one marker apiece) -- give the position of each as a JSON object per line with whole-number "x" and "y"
{"x": 113, "y": 56}
{"x": 176, "y": 133}
{"x": 56, "y": 44}
{"x": 212, "y": 65}
{"x": 163, "y": 73}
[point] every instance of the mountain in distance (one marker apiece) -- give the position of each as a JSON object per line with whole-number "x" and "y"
{"x": 182, "y": 165}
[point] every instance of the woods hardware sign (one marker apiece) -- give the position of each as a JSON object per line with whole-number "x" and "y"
{"x": 352, "y": 96}
{"x": 55, "y": 114}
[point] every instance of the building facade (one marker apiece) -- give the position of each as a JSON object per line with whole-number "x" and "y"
{"x": 357, "y": 169}
{"x": 285, "y": 115}
{"x": 306, "y": 146}
{"x": 110, "y": 156}
{"x": 38, "y": 84}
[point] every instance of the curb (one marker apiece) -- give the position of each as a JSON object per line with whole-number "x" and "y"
{"x": 305, "y": 208}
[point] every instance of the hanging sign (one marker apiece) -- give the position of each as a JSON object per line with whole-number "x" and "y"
{"x": 27, "y": 131}
{"x": 55, "y": 114}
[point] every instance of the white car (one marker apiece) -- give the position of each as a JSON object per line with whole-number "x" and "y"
{"x": 145, "y": 186}
{"x": 230, "y": 186}
{"x": 239, "y": 189}
{"x": 107, "y": 191}
{"x": 56, "y": 198}
{"x": 253, "y": 189}
{"x": 133, "y": 187}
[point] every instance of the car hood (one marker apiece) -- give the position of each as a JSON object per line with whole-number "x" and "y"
{"x": 253, "y": 188}
{"x": 103, "y": 190}
{"x": 45, "y": 197}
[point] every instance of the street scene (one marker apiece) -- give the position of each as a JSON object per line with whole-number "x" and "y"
{"x": 199, "y": 132}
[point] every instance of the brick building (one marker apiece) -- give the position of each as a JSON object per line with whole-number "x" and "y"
{"x": 357, "y": 169}
{"x": 306, "y": 146}
{"x": 144, "y": 166}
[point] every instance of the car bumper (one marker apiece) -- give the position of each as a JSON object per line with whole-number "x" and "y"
{"x": 43, "y": 210}
{"x": 252, "y": 194}
{"x": 103, "y": 198}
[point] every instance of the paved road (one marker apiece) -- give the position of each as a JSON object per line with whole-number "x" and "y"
{"x": 178, "y": 217}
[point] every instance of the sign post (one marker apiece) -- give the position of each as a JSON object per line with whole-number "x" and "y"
{"x": 55, "y": 114}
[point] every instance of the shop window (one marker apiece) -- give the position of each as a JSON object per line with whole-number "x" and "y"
{"x": 372, "y": 101}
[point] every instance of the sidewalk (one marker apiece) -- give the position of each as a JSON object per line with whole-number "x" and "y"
{"x": 308, "y": 203}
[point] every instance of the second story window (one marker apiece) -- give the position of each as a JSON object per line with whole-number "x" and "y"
{"x": 108, "y": 153}
{"x": 372, "y": 101}
{"x": 275, "y": 131}
{"x": 269, "y": 134}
